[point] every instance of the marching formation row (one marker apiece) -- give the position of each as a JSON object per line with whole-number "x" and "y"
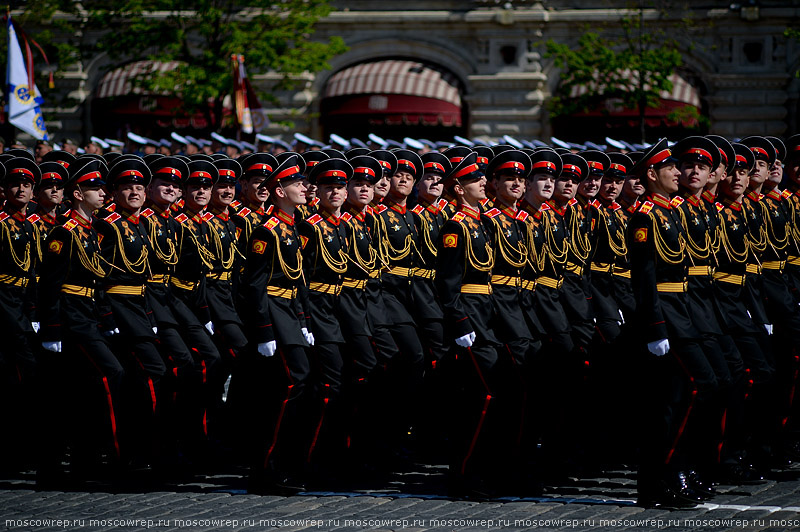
{"x": 526, "y": 309}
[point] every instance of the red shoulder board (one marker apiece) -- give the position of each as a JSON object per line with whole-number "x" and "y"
{"x": 676, "y": 201}
{"x": 484, "y": 201}
{"x": 522, "y": 216}
{"x": 181, "y": 218}
{"x": 207, "y": 216}
{"x": 314, "y": 202}
{"x": 785, "y": 194}
{"x": 68, "y": 213}
{"x": 147, "y": 213}
{"x": 720, "y": 206}
{"x": 615, "y": 206}
{"x": 457, "y": 217}
{"x": 646, "y": 207}
{"x": 572, "y": 202}
{"x": 491, "y": 213}
{"x": 111, "y": 207}
{"x": 544, "y": 207}
{"x": 370, "y": 210}
{"x": 272, "y": 222}
{"x": 380, "y": 208}
{"x": 113, "y": 217}
{"x": 314, "y": 220}
{"x": 346, "y": 217}
{"x": 595, "y": 203}
{"x": 270, "y": 209}
{"x": 441, "y": 204}
{"x": 236, "y": 204}
{"x": 71, "y": 224}
{"x": 244, "y": 212}
{"x": 3, "y": 215}
{"x": 417, "y": 209}
{"x": 33, "y": 218}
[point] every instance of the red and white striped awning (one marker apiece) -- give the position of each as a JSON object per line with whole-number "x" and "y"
{"x": 393, "y": 76}
{"x": 682, "y": 91}
{"x": 121, "y": 81}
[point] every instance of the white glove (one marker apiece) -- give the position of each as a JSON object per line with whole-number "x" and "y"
{"x": 659, "y": 348}
{"x": 768, "y": 327}
{"x": 467, "y": 340}
{"x": 308, "y": 336}
{"x": 209, "y": 327}
{"x": 55, "y": 347}
{"x": 155, "y": 330}
{"x": 621, "y": 317}
{"x": 35, "y": 325}
{"x": 267, "y": 349}
{"x": 112, "y": 332}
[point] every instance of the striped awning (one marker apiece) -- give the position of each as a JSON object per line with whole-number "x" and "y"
{"x": 122, "y": 81}
{"x": 682, "y": 91}
{"x": 395, "y": 76}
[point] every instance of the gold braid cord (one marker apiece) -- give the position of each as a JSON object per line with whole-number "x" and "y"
{"x": 557, "y": 256}
{"x": 24, "y": 263}
{"x": 774, "y": 241}
{"x": 618, "y": 246}
{"x": 91, "y": 264}
{"x": 757, "y": 243}
{"x": 338, "y": 266}
{"x": 667, "y": 254}
{"x": 734, "y": 255}
{"x": 219, "y": 251}
{"x": 696, "y": 250}
{"x": 169, "y": 257}
{"x": 515, "y": 256}
{"x": 535, "y": 259}
{"x": 469, "y": 254}
{"x": 579, "y": 240}
{"x": 367, "y": 265}
{"x": 289, "y": 272}
{"x": 426, "y": 237}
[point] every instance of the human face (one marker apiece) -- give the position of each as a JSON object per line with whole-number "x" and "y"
{"x": 360, "y": 192}
{"x": 223, "y": 194}
{"x": 332, "y": 196}
{"x": 295, "y": 192}
{"x": 71, "y": 148}
{"x": 50, "y": 196}
{"x": 231, "y": 151}
{"x": 610, "y": 189}
{"x": 311, "y": 191}
{"x": 509, "y": 188}
{"x": 254, "y": 193}
{"x": 735, "y": 185}
{"x": 759, "y": 174}
{"x": 589, "y": 187}
{"x": 382, "y": 187}
{"x": 694, "y": 176}
{"x": 563, "y": 190}
{"x": 632, "y": 188}
{"x": 716, "y": 176}
{"x": 665, "y": 180}
{"x": 163, "y": 193}
{"x": 776, "y": 173}
{"x": 430, "y": 187}
{"x": 191, "y": 149}
{"x": 93, "y": 148}
{"x": 19, "y": 192}
{"x": 130, "y": 196}
{"x": 147, "y": 150}
{"x": 472, "y": 191}
{"x": 401, "y": 184}
{"x": 91, "y": 198}
{"x": 40, "y": 151}
{"x": 540, "y": 188}
{"x": 197, "y": 196}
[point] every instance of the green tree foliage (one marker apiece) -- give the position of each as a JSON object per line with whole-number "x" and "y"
{"x": 627, "y": 69}
{"x": 200, "y": 34}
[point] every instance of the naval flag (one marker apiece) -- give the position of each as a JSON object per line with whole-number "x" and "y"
{"x": 24, "y": 98}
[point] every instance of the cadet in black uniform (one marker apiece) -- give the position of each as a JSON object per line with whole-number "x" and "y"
{"x": 255, "y": 169}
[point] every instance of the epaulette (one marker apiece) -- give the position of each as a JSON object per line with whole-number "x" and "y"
{"x": 441, "y": 204}
{"x": 206, "y": 216}
{"x": 181, "y": 218}
{"x": 785, "y": 194}
{"x": 380, "y": 208}
{"x": 314, "y": 202}
{"x": 522, "y": 216}
{"x": 457, "y": 217}
{"x": 595, "y": 203}
{"x": 3, "y": 215}
{"x": 346, "y": 217}
{"x": 269, "y": 209}
{"x": 615, "y": 206}
{"x": 484, "y": 201}
{"x": 236, "y": 204}
{"x": 67, "y": 213}
{"x": 33, "y": 218}
{"x": 271, "y": 223}
{"x": 113, "y": 217}
{"x": 147, "y": 213}
{"x": 572, "y": 202}
{"x": 676, "y": 201}
{"x": 243, "y": 212}
{"x": 646, "y": 207}
{"x": 491, "y": 213}
{"x": 720, "y": 206}
{"x": 417, "y": 209}
{"x": 314, "y": 220}
{"x": 544, "y": 207}
{"x": 370, "y": 210}
{"x": 71, "y": 224}
{"x": 111, "y": 207}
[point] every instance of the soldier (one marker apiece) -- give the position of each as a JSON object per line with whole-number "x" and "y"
{"x": 123, "y": 245}
{"x": 276, "y": 322}
{"x": 20, "y": 252}
{"x": 50, "y": 193}
{"x": 253, "y": 199}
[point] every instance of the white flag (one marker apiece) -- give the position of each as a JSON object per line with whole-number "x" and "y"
{"x": 24, "y": 103}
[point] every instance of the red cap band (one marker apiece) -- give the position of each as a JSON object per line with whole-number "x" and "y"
{"x": 386, "y": 164}
{"x": 333, "y": 173}
{"x": 288, "y": 171}
{"x": 260, "y": 166}
{"x": 619, "y": 167}
{"x": 130, "y": 173}
{"x": 200, "y": 174}
{"x": 364, "y": 170}
{"x": 659, "y": 157}
{"x": 571, "y": 168}
{"x": 454, "y": 160}
{"x": 23, "y": 171}
{"x": 762, "y": 151}
{"x": 741, "y": 159}
{"x": 172, "y": 171}
{"x": 467, "y": 170}
{"x": 544, "y": 164}
{"x": 65, "y": 164}
{"x": 699, "y": 151}
{"x": 483, "y": 160}
{"x": 723, "y": 156}
{"x": 435, "y": 166}
{"x": 404, "y": 162}
{"x": 52, "y": 175}
{"x": 309, "y": 164}
{"x": 227, "y": 173}
{"x": 597, "y": 165}
{"x": 90, "y": 175}
{"x": 516, "y": 165}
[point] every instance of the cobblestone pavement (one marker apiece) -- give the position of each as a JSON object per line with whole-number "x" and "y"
{"x": 414, "y": 501}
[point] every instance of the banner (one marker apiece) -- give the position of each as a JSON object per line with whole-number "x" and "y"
{"x": 251, "y": 116}
{"x": 24, "y": 98}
